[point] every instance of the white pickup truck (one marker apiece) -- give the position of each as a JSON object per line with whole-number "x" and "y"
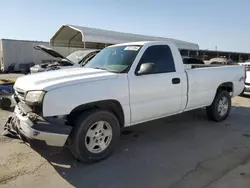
{"x": 122, "y": 85}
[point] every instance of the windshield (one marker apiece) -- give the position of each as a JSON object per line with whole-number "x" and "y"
{"x": 77, "y": 56}
{"x": 115, "y": 59}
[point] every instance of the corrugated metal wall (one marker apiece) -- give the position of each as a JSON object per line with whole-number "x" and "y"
{"x": 19, "y": 51}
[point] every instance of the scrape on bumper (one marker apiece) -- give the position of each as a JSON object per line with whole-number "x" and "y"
{"x": 21, "y": 126}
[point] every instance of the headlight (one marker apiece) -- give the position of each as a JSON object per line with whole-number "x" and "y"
{"x": 34, "y": 96}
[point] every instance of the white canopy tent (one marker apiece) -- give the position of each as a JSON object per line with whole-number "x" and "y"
{"x": 71, "y": 36}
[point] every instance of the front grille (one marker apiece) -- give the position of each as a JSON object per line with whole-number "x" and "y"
{"x": 248, "y": 84}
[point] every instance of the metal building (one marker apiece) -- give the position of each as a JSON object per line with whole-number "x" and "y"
{"x": 70, "y": 38}
{"x": 19, "y": 52}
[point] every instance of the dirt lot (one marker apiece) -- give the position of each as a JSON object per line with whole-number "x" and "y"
{"x": 185, "y": 150}
{"x": 10, "y": 76}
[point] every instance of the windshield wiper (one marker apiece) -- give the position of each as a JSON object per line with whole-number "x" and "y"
{"x": 101, "y": 68}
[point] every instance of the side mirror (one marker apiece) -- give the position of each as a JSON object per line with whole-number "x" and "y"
{"x": 146, "y": 68}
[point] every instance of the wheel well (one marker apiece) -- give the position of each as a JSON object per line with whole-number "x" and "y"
{"x": 110, "y": 105}
{"x": 227, "y": 86}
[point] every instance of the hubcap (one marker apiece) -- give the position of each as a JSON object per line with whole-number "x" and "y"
{"x": 223, "y": 106}
{"x": 98, "y": 137}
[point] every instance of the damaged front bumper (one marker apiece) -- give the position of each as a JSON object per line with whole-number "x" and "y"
{"x": 51, "y": 131}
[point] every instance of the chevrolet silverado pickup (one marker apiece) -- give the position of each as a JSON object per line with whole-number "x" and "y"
{"x": 123, "y": 85}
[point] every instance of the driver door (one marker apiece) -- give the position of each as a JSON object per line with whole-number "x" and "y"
{"x": 157, "y": 94}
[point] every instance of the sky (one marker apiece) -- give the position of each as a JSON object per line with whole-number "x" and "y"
{"x": 210, "y": 23}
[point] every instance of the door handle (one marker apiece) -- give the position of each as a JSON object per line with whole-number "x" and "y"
{"x": 176, "y": 80}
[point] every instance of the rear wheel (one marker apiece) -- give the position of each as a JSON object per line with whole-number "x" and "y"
{"x": 221, "y": 106}
{"x": 94, "y": 136}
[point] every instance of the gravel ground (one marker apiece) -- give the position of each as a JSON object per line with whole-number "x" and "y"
{"x": 186, "y": 150}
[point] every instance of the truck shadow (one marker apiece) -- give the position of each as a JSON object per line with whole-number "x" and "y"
{"x": 153, "y": 154}
{"x": 245, "y": 96}
{"x": 11, "y": 109}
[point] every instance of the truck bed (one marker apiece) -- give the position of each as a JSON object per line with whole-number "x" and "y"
{"x": 202, "y": 79}
{"x": 195, "y": 66}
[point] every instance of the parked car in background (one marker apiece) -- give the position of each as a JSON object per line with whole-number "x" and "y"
{"x": 221, "y": 61}
{"x": 246, "y": 64}
{"x": 247, "y": 81}
{"x": 123, "y": 85}
{"x": 192, "y": 60}
{"x": 75, "y": 59}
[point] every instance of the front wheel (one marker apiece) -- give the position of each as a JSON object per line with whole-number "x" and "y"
{"x": 94, "y": 136}
{"x": 221, "y": 106}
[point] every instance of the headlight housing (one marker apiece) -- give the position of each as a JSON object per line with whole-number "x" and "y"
{"x": 34, "y": 97}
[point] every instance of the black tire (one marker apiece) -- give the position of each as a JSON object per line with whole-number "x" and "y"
{"x": 5, "y": 103}
{"x": 77, "y": 137}
{"x": 212, "y": 110}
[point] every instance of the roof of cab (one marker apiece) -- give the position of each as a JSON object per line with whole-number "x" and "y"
{"x": 134, "y": 43}
{"x": 141, "y": 43}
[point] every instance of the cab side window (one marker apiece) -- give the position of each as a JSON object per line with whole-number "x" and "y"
{"x": 161, "y": 56}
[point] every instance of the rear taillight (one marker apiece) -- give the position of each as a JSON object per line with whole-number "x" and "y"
{"x": 245, "y": 73}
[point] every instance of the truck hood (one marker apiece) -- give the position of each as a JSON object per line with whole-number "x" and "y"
{"x": 49, "y": 51}
{"x": 61, "y": 78}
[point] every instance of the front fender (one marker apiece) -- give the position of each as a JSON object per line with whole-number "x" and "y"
{"x": 61, "y": 101}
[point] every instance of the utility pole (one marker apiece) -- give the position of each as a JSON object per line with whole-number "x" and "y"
{"x": 216, "y": 51}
